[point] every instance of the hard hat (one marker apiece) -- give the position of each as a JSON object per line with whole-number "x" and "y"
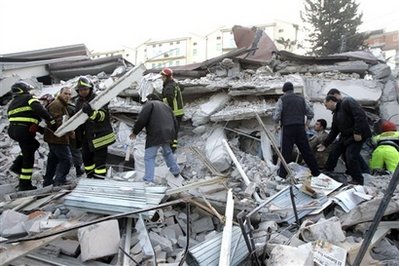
{"x": 167, "y": 72}
{"x": 84, "y": 82}
{"x": 388, "y": 126}
{"x": 21, "y": 87}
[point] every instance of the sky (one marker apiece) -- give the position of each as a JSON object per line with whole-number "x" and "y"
{"x": 107, "y": 25}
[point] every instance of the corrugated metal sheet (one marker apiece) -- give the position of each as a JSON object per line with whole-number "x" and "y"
{"x": 207, "y": 253}
{"x": 111, "y": 197}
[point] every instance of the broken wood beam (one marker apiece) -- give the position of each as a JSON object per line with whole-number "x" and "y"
{"x": 133, "y": 75}
{"x": 225, "y": 248}
{"x": 240, "y": 170}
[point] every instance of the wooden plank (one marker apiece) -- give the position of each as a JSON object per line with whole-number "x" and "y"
{"x": 133, "y": 75}
{"x": 225, "y": 248}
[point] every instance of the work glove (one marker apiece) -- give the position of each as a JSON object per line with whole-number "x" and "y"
{"x": 40, "y": 129}
{"x": 52, "y": 125}
{"x": 86, "y": 108}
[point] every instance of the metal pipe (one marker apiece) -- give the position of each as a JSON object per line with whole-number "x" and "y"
{"x": 377, "y": 218}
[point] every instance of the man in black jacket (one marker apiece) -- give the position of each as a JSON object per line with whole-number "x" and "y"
{"x": 160, "y": 124}
{"x": 350, "y": 121}
{"x": 24, "y": 114}
{"x": 290, "y": 111}
{"x": 96, "y": 134}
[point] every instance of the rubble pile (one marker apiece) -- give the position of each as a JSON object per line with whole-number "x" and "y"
{"x": 222, "y": 148}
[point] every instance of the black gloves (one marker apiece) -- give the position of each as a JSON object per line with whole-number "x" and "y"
{"x": 52, "y": 125}
{"x": 86, "y": 108}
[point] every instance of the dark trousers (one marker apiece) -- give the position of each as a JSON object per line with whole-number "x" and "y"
{"x": 28, "y": 144}
{"x": 351, "y": 153}
{"x": 94, "y": 161}
{"x": 334, "y": 155}
{"x": 77, "y": 160}
{"x": 58, "y": 164}
{"x": 295, "y": 134}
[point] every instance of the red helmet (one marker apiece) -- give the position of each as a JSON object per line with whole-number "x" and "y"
{"x": 388, "y": 126}
{"x": 167, "y": 72}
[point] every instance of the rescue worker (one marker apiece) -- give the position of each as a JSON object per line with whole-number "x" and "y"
{"x": 96, "y": 134}
{"x": 386, "y": 153}
{"x": 172, "y": 96}
{"x": 350, "y": 122}
{"x": 290, "y": 112}
{"x": 160, "y": 124}
{"x": 24, "y": 113}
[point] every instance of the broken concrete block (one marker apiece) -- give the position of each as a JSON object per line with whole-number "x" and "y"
{"x": 290, "y": 256}
{"x": 67, "y": 246}
{"x": 329, "y": 230}
{"x": 165, "y": 243}
{"x": 172, "y": 232}
{"x": 11, "y": 223}
{"x": 204, "y": 224}
{"x": 99, "y": 240}
{"x": 366, "y": 212}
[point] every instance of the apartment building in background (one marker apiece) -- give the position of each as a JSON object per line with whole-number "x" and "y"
{"x": 388, "y": 42}
{"x": 195, "y": 48}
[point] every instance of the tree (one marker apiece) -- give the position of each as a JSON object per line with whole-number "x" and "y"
{"x": 334, "y": 26}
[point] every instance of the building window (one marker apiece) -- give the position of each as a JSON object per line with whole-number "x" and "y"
{"x": 160, "y": 44}
{"x": 171, "y": 43}
{"x": 281, "y": 30}
{"x": 153, "y": 65}
{"x": 177, "y": 63}
{"x": 218, "y": 47}
{"x": 194, "y": 52}
{"x": 194, "y": 44}
{"x": 177, "y": 51}
{"x": 178, "y": 42}
{"x": 218, "y": 38}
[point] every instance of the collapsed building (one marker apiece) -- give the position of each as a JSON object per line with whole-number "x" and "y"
{"x": 231, "y": 208}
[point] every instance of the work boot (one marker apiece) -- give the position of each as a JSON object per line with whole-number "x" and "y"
{"x": 17, "y": 165}
{"x": 25, "y": 185}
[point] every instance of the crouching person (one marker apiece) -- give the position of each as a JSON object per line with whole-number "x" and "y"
{"x": 161, "y": 125}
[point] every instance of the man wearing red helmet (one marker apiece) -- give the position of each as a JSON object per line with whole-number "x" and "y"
{"x": 171, "y": 95}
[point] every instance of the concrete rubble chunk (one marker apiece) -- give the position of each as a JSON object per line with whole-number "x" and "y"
{"x": 290, "y": 256}
{"x": 329, "y": 230}
{"x": 366, "y": 211}
{"x": 99, "y": 240}
{"x": 204, "y": 224}
{"x": 12, "y": 223}
{"x": 67, "y": 246}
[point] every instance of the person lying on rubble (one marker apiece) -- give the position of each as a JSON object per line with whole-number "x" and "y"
{"x": 350, "y": 121}
{"x": 385, "y": 156}
{"x": 160, "y": 124}
{"x": 290, "y": 112}
{"x": 171, "y": 95}
{"x": 24, "y": 113}
{"x": 94, "y": 135}
{"x": 59, "y": 157}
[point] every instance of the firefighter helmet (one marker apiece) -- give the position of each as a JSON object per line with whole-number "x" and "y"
{"x": 21, "y": 87}
{"x": 167, "y": 72}
{"x": 84, "y": 82}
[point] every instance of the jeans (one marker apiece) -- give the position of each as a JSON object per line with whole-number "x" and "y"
{"x": 149, "y": 161}
{"x": 58, "y": 164}
{"x": 77, "y": 160}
